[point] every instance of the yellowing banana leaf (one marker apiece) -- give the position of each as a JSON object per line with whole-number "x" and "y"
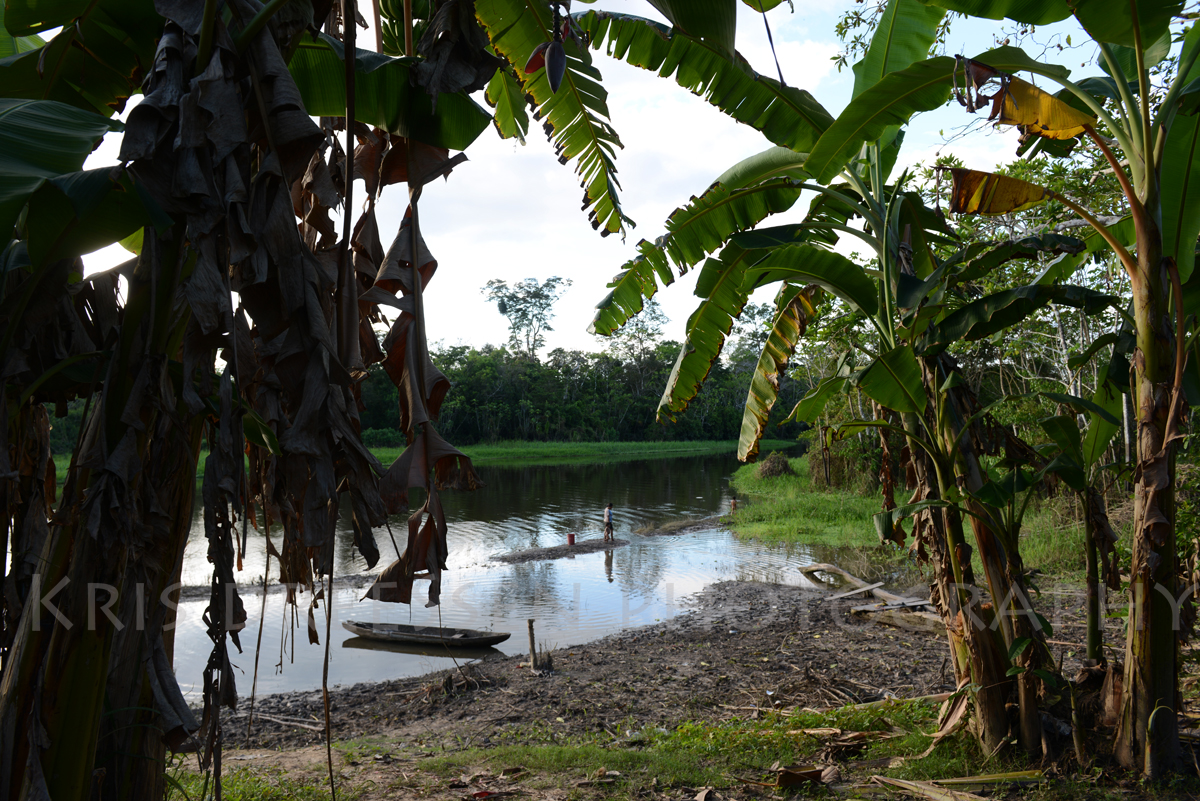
{"x": 787, "y": 116}
{"x": 977, "y": 192}
{"x": 1041, "y": 112}
{"x": 794, "y": 308}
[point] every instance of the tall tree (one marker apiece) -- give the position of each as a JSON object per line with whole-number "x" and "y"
{"x": 528, "y": 305}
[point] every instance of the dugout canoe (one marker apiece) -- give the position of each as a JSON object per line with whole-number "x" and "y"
{"x": 425, "y": 635}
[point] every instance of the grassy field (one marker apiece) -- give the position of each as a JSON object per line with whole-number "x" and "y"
{"x": 789, "y": 510}
{"x": 530, "y": 454}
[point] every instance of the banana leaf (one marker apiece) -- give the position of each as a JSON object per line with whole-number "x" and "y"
{"x": 904, "y": 35}
{"x": 1180, "y": 183}
{"x": 576, "y": 115}
{"x": 978, "y": 192}
{"x": 635, "y": 281}
{"x": 787, "y": 116}
{"x": 794, "y": 308}
{"x": 788, "y": 257}
{"x": 924, "y": 86}
{"x": 14, "y": 45}
{"x": 39, "y": 140}
{"x": 383, "y": 95}
{"x": 893, "y": 380}
{"x": 724, "y": 289}
{"x": 504, "y": 95}
{"x": 713, "y": 22}
{"x": 97, "y": 62}
{"x": 988, "y": 315}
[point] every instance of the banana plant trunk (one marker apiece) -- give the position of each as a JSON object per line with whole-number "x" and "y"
{"x": 1095, "y": 640}
{"x": 141, "y": 721}
{"x": 1147, "y": 734}
{"x": 1011, "y": 610}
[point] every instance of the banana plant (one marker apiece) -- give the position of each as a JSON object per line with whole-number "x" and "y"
{"x": 1152, "y": 154}
{"x": 847, "y": 165}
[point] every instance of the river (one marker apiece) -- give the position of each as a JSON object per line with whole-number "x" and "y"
{"x": 573, "y": 600}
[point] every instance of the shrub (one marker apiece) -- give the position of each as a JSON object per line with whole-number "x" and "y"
{"x": 383, "y": 438}
{"x": 853, "y": 466}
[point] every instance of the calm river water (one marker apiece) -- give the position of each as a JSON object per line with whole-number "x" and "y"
{"x": 573, "y": 600}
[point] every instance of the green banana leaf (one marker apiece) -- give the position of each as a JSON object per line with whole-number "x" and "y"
{"x": 504, "y": 95}
{"x": 794, "y": 308}
{"x": 722, "y": 286}
{"x": 788, "y": 258}
{"x": 1179, "y": 187}
{"x": 577, "y": 115}
{"x": 78, "y": 213}
{"x": 714, "y": 22}
{"x": 738, "y": 200}
{"x": 988, "y": 315}
{"x": 1126, "y": 58}
{"x": 1032, "y": 12}
{"x": 787, "y": 116}
{"x": 904, "y": 35}
{"x": 40, "y": 140}
{"x": 1064, "y": 430}
{"x": 1065, "y": 266}
{"x": 893, "y": 380}
{"x": 635, "y": 281}
{"x": 765, "y": 5}
{"x": 96, "y": 62}
{"x": 14, "y": 45}
{"x": 813, "y": 403}
{"x": 1102, "y": 427}
{"x": 923, "y": 86}
{"x": 1112, "y": 21}
{"x": 993, "y": 255}
{"x": 383, "y": 95}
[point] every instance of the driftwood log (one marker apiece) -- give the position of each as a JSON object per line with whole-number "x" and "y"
{"x": 894, "y": 610}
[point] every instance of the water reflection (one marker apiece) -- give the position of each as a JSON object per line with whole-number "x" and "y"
{"x": 573, "y": 600}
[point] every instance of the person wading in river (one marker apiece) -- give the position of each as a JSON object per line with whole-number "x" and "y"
{"x": 608, "y": 524}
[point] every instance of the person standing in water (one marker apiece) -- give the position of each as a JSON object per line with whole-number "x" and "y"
{"x": 608, "y": 523}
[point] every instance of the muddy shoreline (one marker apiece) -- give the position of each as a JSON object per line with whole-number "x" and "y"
{"x": 742, "y": 647}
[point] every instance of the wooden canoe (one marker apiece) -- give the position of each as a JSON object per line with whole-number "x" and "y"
{"x": 425, "y": 635}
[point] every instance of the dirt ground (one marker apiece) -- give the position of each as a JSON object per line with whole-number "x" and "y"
{"x": 741, "y": 648}
{"x": 744, "y": 646}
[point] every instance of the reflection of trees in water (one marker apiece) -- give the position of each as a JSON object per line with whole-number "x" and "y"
{"x": 639, "y": 569}
{"x": 532, "y": 585}
{"x": 534, "y": 507}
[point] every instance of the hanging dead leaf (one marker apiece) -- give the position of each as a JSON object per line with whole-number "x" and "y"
{"x": 1022, "y": 103}
{"x": 977, "y": 192}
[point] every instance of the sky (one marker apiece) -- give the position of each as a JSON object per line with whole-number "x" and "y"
{"x": 513, "y": 212}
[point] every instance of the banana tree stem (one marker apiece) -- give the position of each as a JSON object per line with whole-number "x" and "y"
{"x": 1135, "y": 205}
{"x": 257, "y": 22}
{"x": 204, "y": 49}
{"x": 408, "y": 25}
{"x": 1126, "y": 260}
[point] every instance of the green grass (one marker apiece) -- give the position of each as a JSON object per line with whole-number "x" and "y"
{"x": 529, "y": 454}
{"x": 258, "y": 784}
{"x": 787, "y": 510}
{"x": 526, "y": 454}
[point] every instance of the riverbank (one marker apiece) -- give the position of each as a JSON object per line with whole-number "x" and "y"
{"x": 751, "y": 677}
{"x": 533, "y": 454}
{"x": 789, "y": 509}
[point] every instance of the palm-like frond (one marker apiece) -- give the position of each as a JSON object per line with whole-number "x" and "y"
{"x": 787, "y": 116}
{"x": 576, "y": 116}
